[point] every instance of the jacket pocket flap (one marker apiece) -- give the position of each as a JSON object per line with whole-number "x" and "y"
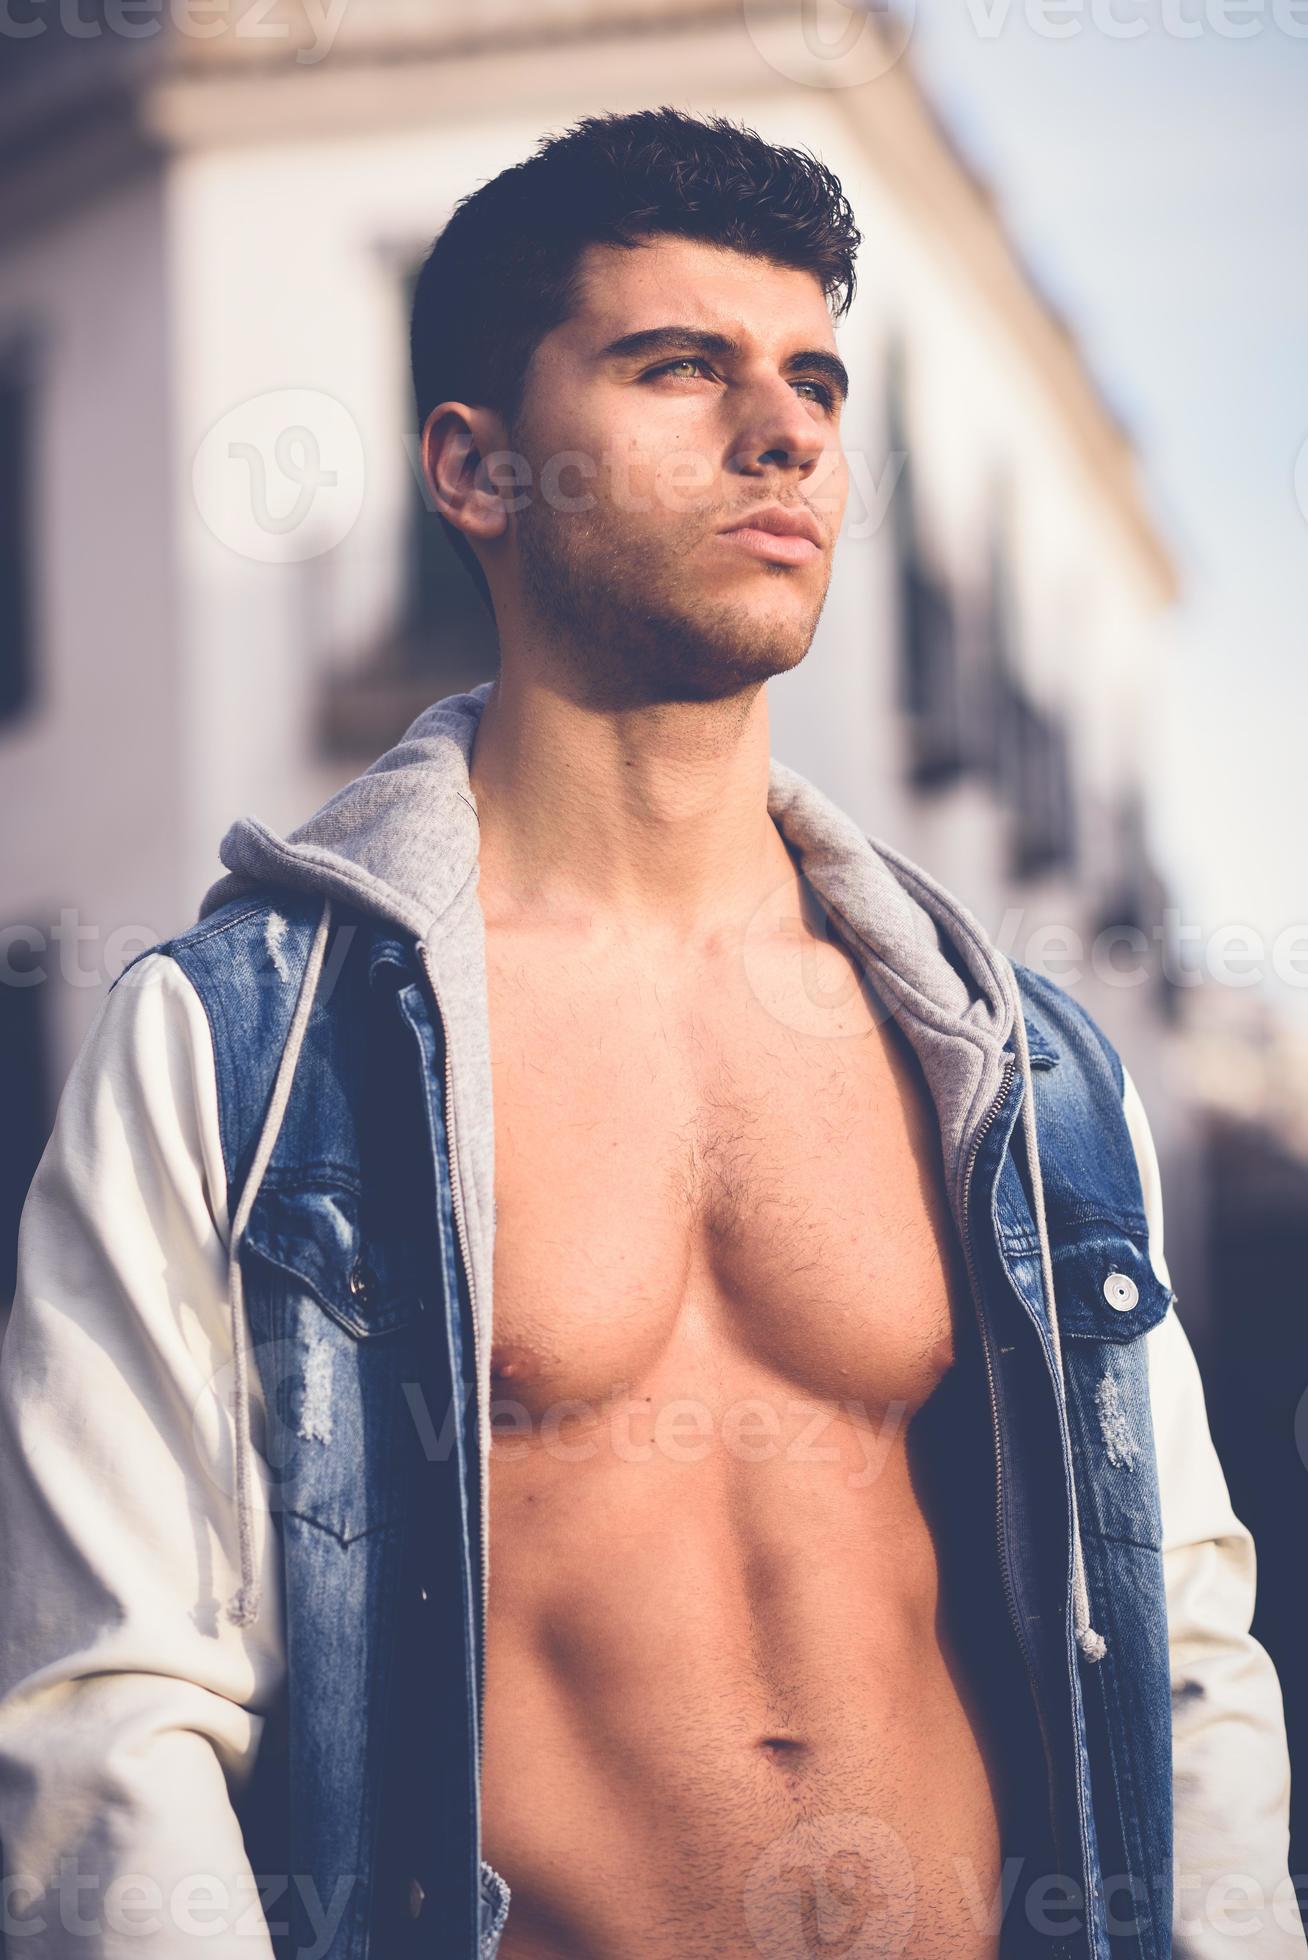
{"x": 368, "y": 1283}
{"x": 1107, "y": 1289}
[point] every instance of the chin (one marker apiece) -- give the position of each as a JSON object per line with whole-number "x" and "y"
{"x": 764, "y": 642}
{"x": 726, "y": 671}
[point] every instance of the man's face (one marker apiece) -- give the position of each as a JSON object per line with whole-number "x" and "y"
{"x": 641, "y": 455}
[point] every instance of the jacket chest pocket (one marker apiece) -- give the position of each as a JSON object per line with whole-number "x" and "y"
{"x": 1108, "y": 1299}
{"x": 337, "y": 1319}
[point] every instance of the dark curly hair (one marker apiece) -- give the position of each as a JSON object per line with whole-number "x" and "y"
{"x": 505, "y": 270}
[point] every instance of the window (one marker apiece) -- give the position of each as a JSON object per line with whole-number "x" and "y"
{"x": 1135, "y": 898}
{"x": 998, "y": 651}
{"x": 930, "y": 680}
{"x": 938, "y": 749}
{"x": 1040, "y": 777}
{"x": 440, "y": 638}
{"x": 1021, "y": 746}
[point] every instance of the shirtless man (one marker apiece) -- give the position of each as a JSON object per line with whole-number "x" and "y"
{"x": 760, "y": 1581}
{"x": 724, "y": 1276}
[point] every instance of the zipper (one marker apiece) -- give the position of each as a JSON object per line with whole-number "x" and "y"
{"x": 987, "y": 1123}
{"x": 483, "y": 1479}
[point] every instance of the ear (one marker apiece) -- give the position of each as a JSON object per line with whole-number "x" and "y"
{"x": 457, "y": 448}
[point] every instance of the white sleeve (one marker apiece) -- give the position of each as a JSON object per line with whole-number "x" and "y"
{"x": 131, "y": 1709}
{"x": 1231, "y": 1769}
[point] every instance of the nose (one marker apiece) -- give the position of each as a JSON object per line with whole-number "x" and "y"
{"x": 780, "y": 429}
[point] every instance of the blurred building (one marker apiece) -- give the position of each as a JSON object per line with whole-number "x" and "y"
{"x": 222, "y": 592}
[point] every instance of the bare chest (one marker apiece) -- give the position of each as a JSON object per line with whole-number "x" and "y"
{"x": 743, "y": 1172}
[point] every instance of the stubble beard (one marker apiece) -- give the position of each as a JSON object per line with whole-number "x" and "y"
{"x": 606, "y": 601}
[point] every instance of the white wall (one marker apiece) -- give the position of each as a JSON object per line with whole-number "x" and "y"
{"x": 91, "y": 777}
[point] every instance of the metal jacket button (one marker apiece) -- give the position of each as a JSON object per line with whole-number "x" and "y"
{"x": 360, "y": 1279}
{"x": 1121, "y": 1292}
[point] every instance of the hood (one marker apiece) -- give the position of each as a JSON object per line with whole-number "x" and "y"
{"x": 400, "y": 841}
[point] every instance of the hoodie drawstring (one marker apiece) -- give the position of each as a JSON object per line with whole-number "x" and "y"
{"x": 243, "y": 1606}
{"x": 1092, "y": 1644}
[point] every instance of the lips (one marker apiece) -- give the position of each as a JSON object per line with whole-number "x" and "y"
{"x": 781, "y": 521}
{"x": 778, "y": 534}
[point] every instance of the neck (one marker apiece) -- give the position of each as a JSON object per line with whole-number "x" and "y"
{"x": 647, "y": 822}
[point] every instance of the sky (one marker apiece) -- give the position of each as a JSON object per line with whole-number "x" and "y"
{"x": 1157, "y": 186}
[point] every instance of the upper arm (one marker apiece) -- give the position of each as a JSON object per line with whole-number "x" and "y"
{"x": 130, "y": 1707}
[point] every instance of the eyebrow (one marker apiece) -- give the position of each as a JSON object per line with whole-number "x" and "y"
{"x": 720, "y": 346}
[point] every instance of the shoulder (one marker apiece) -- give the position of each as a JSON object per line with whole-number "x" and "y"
{"x": 245, "y": 960}
{"x": 262, "y": 926}
{"x": 137, "y": 1119}
{"x": 1090, "y": 1109}
{"x": 1067, "y": 1024}
{"x": 219, "y": 997}
{"x": 150, "y": 1034}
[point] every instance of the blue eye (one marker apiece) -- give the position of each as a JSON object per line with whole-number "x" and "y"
{"x": 824, "y": 394}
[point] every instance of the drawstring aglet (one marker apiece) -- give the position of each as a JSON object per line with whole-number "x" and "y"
{"x": 1092, "y": 1644}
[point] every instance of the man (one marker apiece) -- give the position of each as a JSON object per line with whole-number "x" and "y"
{"x": 851, "y": 1553}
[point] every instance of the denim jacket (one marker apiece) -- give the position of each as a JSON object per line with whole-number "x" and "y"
{"x": 330, "y": 1003}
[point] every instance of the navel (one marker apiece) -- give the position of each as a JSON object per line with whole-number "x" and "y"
{"x": 785, "y": 1750}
